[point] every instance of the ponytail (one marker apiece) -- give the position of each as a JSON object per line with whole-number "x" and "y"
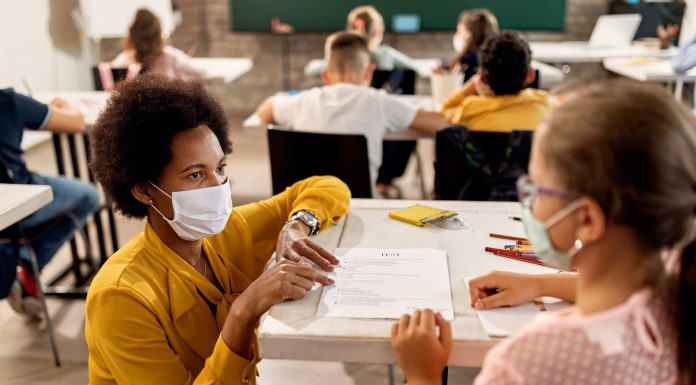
{"x": 685, "y": 315}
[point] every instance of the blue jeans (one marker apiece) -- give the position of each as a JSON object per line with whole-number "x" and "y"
{"x": 69, "y": 195}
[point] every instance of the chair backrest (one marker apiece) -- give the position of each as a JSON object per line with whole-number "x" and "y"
{"x": 296, "y": 155}
{"x": 401, "y": 82}
{"x": 118, "y": 74}
{"x": 479, "y": 165}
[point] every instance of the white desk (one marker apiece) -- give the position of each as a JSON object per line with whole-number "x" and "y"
{"x": 253, "y": 122}
{"x": 578, "y": 52}
{"x": 291, "y": 330}
{"x": 229, "y": 69}
{"x": 90, "y": 103}
{"x": 424, "y": 67}
{"x": 650, "y": 70}
{"x": 18, "y": 201}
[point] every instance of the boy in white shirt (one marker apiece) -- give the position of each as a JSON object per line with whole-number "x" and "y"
{"x": 346, "y": 104}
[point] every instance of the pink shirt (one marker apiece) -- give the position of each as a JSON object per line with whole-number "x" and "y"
{"x": 171, "y": 63}
{"x": 634, "y": 343}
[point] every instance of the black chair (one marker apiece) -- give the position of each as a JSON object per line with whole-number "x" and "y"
{"x": 119, "y": 74}
{"x": 296, "y": 155}
{"x": 476, "y": 165}
{"x": 71, "y": 161}
{"x": 15, "y": 236}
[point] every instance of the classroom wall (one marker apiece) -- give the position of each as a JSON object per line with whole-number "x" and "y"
{"x": 207, "y": 21}
{"x": 40, "y": 43}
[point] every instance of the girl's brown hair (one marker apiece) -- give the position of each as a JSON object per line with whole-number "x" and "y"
{"x": 145, "y": 37}
{"x": 481, "y": 24}
{"x": 365, "y": 20}
{"x": 632, "y": 148}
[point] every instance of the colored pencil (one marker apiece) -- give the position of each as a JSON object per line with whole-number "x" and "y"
{"x": 514, "y": 255}
{"x": 510, "y": 237}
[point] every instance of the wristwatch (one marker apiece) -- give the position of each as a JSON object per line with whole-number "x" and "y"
{"x": 308, "y": 218}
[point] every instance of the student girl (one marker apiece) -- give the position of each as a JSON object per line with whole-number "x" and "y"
{"x": 473, "y": 28}
{"x": 368, "y": 22}
{"x": 612, "y": 183}
{"x": 146, "y": 51}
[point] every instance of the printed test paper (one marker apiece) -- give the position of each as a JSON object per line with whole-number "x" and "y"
{"x": 387, "y": 283}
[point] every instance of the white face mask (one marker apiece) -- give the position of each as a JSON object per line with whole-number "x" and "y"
{"x": 199, "y": 213}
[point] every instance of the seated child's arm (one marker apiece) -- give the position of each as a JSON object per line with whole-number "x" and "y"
{"x": 66, "y": 118}
{"x": 685, "y": 59}
{"x": 265, "y": 111}
{"x": 499, "y": 288}
{"x": 429, "y": 122}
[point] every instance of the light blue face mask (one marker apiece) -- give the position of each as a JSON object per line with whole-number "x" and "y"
{"x": 538, "y": 234}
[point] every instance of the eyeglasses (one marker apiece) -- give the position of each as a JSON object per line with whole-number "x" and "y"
{"x": 527, "y": 191}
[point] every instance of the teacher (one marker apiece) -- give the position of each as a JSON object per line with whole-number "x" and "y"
{"x": 180, "y": 303}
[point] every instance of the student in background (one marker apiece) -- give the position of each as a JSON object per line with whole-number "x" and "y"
{"x": 346, "y": 104}
{"x": 611, "y": 185}
{"x": 495, "y": 99}
{"x": 475, "y": 26}
{"x": 18, "y": 112}
{"x": 368, "y": 22}
{"x": 146, "y": 51}
{"x": 685, "y": 59}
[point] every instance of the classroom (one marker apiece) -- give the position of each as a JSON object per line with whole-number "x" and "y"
{"x": 347, "y": 192}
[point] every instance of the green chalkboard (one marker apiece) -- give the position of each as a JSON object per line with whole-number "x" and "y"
{"x": 436, "y": 15}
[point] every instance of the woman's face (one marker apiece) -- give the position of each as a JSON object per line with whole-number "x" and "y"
{"x": 461, "y": 38}
{"x": 197, "y": 162}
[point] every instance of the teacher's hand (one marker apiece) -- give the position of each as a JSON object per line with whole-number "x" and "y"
{"x": 294, "y": 245}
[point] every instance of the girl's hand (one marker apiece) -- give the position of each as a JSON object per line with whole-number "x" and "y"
{"x": 499, "y": 288}
{"x": 294, "y": 244}
{"x": 421, "y": 353}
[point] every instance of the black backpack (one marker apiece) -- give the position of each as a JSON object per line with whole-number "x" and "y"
{"x": 480, "y": 166}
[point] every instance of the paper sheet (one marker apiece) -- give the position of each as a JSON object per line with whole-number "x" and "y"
{"x": 387, "y": 283}
{"x": 506, "y": 321}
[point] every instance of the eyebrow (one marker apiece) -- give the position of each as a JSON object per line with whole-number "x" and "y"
{"x": 201, "y": 165}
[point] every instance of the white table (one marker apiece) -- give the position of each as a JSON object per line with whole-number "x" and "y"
{"x": 650, "y": 70}
{"x": 227, "y": 68}
{"x": 18, "y": 201}
{"x": 424, "y": 67}
{"x": 90, "y": 103}
{"x": 578, "y": 52}
{"x": 253, "y": 122}
{"x": 292, "y": 330}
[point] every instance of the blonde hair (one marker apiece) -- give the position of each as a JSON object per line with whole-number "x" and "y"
{"x": 346, "y": 52}
{"x": 366, "y": 21}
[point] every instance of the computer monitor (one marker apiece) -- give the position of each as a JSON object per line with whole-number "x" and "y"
{"x": 613, "y": 31}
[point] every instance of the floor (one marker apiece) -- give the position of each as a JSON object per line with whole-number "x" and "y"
{"x": 25, "y": 355}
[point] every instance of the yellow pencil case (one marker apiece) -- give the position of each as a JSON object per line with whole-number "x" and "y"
{"x": 420, "y": 215}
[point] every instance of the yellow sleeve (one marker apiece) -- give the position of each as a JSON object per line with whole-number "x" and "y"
{"x": 452, "y": 105}
{"x": 125, "y": 337}
{"x": 326, "y": 196}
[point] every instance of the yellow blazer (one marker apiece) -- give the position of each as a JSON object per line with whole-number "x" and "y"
{"x": 153, "y": 319}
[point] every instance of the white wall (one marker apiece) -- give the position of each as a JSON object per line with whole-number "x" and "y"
{"x": 38, "y": 42}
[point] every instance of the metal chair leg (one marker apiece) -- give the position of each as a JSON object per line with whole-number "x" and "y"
{"x": 42, "y": 298}
{"x": 390, "y": 369}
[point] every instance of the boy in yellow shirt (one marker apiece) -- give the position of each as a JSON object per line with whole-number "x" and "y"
{"x": 495, "y": 99}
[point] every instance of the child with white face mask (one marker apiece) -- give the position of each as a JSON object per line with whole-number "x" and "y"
{"x": 612, "y": 184}
{"x": 473, "y": 28}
